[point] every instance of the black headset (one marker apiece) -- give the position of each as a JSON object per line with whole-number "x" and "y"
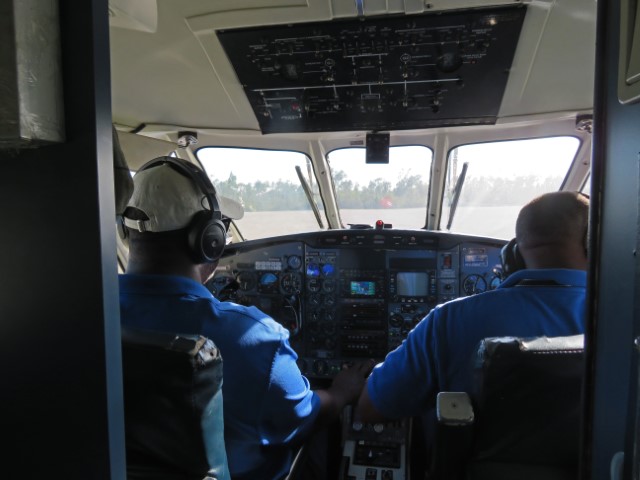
{"x": 511, "y": 259}
{"x": 206, "y": 233}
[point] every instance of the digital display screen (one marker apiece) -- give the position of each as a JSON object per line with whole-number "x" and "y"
{"x": 364, "y": 288}
{"x": 412, "y": 284}
{"x": 476, "y": 260}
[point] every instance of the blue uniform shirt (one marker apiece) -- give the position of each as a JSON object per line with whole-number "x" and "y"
{"x": 268, "y": 403}
{"x": 438, "y": 353}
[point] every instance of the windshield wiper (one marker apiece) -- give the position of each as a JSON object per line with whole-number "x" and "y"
{"x": 307, "y": 191}
{"x": 456, "y": 194}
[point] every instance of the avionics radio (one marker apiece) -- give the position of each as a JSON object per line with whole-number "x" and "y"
{"x": 362, "y": 284}
{"x": 363, "y": 313}
{"x": 413, "y": 293}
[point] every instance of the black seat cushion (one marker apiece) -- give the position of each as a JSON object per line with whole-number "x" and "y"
{"x": 527, "y": 404}
{"x": 173, "y": 407}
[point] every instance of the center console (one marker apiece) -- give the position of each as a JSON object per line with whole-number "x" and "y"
{"x": 374, "y": 451}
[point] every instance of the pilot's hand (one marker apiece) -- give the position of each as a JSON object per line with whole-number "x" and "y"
{"x": 349, "y": 382}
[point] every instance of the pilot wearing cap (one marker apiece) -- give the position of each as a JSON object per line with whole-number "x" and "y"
{"x": 176, "y": 225}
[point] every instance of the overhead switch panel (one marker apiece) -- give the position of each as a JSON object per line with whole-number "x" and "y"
{"x": 386, "y": 73}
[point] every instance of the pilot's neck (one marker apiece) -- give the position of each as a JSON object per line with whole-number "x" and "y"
{"x": 178, "y": 268}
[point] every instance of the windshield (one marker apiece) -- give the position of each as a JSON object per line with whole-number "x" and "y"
{"x": 501, "y": 177}
{"x": 266, "y": 183}
{"x": 395, "y": 193}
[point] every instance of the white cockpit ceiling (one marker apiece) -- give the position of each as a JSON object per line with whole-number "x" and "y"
{"x": 168, "y": 67}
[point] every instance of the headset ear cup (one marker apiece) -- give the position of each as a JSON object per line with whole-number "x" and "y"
{"x": 511, "y": 258}
{"x": 207, "y": 237}
{"x": 518, "y": 261}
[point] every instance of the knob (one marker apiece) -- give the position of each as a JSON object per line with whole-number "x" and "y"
{"x": 396, "y": 320}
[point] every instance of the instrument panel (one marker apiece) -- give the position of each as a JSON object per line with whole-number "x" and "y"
{"x": 346, "y": 295}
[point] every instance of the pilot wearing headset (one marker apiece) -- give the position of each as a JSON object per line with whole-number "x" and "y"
{"x": 544, "y": 294}
{"x": 175, "y": 222}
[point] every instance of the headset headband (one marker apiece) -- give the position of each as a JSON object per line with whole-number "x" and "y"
{"x": 196, "y": 174}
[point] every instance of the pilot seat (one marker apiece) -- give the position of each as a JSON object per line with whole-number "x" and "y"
{"x": 523, "y": 418}
{"x": 174, "y": 427}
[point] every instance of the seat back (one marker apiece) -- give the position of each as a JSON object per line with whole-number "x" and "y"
{"x": 173, "y": 407}
{"x": 527, "y": 407}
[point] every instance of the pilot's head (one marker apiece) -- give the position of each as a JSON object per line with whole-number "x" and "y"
{"x": 551, "y": 231}
{"x": 175, "y": 215}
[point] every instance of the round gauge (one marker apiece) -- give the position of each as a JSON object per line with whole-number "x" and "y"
{"x": 315, "y": 300}
{"x": 329, "y": 286}
{"x": 329, "y": 301}
{"x": 314, "y": 285}
{"x": 474, "y": 284}
{"x": 396, "y": 320}
{"x": 246, "y": 280}
{"x": 294, "y": 261}
{"x": 494, "y": 282}
{"x": 449, "y": 62}
{"x": 290, "y": 283}
{"x": 313, "y": 270}
{"x": 268, "y": 279}
{"x": 328, "y": 270}
{"x": 268, "y": 283}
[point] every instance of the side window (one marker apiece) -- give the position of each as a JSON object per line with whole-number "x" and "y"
{"x": 499, "y": 178}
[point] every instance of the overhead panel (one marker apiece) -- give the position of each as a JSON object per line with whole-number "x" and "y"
{"x": 389, "y": 73}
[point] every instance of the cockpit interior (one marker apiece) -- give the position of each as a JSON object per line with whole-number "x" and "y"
{"x": 380, "y": 150}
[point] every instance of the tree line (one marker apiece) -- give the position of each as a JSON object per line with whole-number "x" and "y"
{"x": 409, "y": 191}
